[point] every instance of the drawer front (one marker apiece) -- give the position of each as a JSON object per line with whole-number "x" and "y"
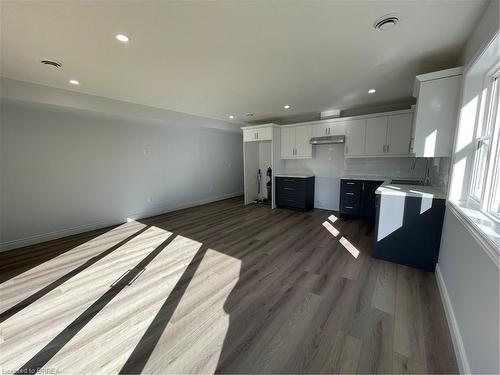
{"x": 286, "y": 184}
{"x": 349, "y": 208}
{"x": 351, "y": 185}
{"x": 290, "y": 189}
{"x": 290, "y": 201}
{"x": 350, "y": 200}
{"x": 353, "y": 195}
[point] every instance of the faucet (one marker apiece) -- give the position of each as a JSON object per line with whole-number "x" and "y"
{"x": 426, "y": 180}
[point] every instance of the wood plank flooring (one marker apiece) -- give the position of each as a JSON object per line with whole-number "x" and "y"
{"x": 219, "y": 288}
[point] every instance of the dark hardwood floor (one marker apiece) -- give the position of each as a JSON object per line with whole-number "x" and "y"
{"x": 223, "y": 288}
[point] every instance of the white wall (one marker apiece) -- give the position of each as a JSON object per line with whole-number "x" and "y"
{"x": 487, "y": 26}
{"x": 467, "y": 277}
{"x": 67, "y": 170}
{"x": 471, "y": 282}
{"x": 329, "y": 165}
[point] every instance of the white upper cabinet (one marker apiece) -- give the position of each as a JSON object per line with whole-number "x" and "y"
{"x": 376, "y": 136}
{"x": 399, "y": 134}
{"x": 333, "y": 128}
{"x": 379, "y": 135}
{"x": 436, "y": 112}
{"x": 287, "y": 143}
{"x": 295, "y": 142}
{"x": 388, "y": 135}
{"x": 321, "y": 130}
{"x": 257, "y": 134}
{"x": 303, "y": 134}
{"x": 355, "y": 133}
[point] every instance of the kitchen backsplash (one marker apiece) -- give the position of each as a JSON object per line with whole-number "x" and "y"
{"x": 328, "y": 161}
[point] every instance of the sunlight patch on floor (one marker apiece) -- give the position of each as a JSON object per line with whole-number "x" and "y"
{"x": 331, "y": 228}
{"x": 333, "y": 218}
{"x": 28, "y": 282}
{"x": 112, "y": 335}
{"x": 69, "y": 300}
{"x": 199, "y": 324}
{"x": 349, "y": 247}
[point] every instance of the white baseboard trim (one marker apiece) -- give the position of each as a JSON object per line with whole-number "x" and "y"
{"x": 458, "y": 344}
{"x": 31, "y": 240}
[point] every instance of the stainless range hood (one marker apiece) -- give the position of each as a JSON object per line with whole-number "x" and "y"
{"x": 330, "y": 139}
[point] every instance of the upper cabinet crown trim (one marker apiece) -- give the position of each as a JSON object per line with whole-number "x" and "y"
{"x": 259, "y": 126}
{"x": 440, "y": 74}
{"x": 341, "y": 119}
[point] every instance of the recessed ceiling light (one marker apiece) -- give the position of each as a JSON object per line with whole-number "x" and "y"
{"x": 231, "y": 117}
{"x": 122, "y": 38}
{"x": 286, "y": 106}
{"x": 74, "y": 82}
{"x": 372, "y": 91}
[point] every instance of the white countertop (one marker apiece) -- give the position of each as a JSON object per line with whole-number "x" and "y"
{"x": 295, "y": 175}
{"x": 418, "y": 191}
{"x": 366, "y": 177}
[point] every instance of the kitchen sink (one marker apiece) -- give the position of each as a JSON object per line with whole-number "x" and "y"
{"x": 406, "y": 182}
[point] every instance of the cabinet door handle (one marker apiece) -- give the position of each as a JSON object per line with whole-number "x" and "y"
{"x": 388, "y": 148}
{"x": 351, "y": 207}
{"x": 349, "y": 193}
{"x": 287, "y": 188}
{"x": 349, "y": 183}
{"x": 346, "y": 149}
{"x": 288, "y": 200}
{"x": 363, "y": 186}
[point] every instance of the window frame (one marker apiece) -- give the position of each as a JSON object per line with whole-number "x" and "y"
{"x": 489, "y": 121}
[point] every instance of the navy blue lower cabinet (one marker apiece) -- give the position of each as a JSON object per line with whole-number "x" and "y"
{"x": 408, "y": 230}
{"x": 295, "y": 192}
{"x": 357, "y": 198}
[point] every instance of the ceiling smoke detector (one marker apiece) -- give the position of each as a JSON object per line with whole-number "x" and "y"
{"x": 249, "y": 114}
{"x": 386, "y": 22}
{"x": 55, "y": 64}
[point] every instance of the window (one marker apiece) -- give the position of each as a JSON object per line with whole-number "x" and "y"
{"x": 484, "y": 186}
{"x": 494, "y": 201}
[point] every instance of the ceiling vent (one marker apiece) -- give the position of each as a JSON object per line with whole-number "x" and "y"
{"x": 55, "y": 64}
{"x": 386, "y": 22}
{"x": 331, "y": 113}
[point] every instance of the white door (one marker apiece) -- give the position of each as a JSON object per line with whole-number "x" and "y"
{"x": 355, "y": 131}
{"x": 399, "y": 134}
{"x": 264, "y": 134}
{"x": 436, "y": 116}
{"x": 337, "y": 128}
{"x": 249, "y": 135}
{"x": 376, "y": 136}
{"x": 288, "y": 143}
{"x": 303, "y": 149}
{"x": 320, "y": 130}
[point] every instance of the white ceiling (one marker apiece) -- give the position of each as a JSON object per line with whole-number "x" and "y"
{"x": 220, "y": 58}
